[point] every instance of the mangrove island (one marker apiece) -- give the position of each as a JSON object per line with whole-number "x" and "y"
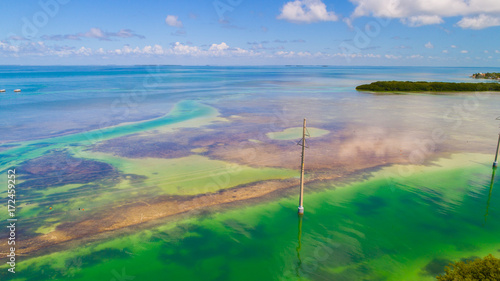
{"x": 487, "y": 75}
{"x": 423, "y": 86}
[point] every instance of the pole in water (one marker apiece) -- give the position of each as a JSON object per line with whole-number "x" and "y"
{"x": 301, "y": 198}
{"x": 495, "y": 163}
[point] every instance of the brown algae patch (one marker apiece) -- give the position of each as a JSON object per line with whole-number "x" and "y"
{"x": 60, "y": 168}
{"x": 158, "y": 146}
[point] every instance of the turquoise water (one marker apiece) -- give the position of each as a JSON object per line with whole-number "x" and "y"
{"x": 183, "y": 111}
{"x": 385, "y": 223}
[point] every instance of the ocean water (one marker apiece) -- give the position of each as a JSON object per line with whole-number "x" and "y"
{"x": 401, "y": 221}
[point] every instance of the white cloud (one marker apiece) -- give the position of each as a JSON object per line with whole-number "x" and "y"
{"x": 476, "y": 14}
{"x": 445, "y": 51}
{"x": 479, "y": 22}
{"x": 497, "y": 51}
{"x": 422, "y": 20}
{"x": 180, "y": 49}
{"x": 239, "y": 51}
{"x": 292, "y": 54}
{"x": 218, "y": 49}
{"x": 464, "y": 51}
{"x": 429, "y": 45}
{"x": 95, "y": 33}
{"x": 354, "y": 55}
{"x": 392, "y": 57}
{"x": 306, "y": 11}
{"x": 84, "y": 51}
{"x": 39, "y": 49}
{"x": 303, "y": 54}
{"x": 173, "y": 21}
{"x": 453, "y": 46}
{"x": 151, "y": 50}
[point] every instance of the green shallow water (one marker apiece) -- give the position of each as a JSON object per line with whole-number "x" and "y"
{"x": 386, "y": 227}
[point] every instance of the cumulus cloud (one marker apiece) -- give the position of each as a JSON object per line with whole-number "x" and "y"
{"x": 95, "y": 33}
{"x": 476, "y": 14}
{"x": 156, "y": 49}
{"x": 464, "y": 51}
{"x": 292, "y": 54}
{"x": 177, "y": 49}
{"x": 173, "y": 21}
{"x": 392, "y": 57}
{"x": 479, "y": 22}
{"x": 306, "y": 11}
{"x": 218, "y": 49}
{"x": 215, "y": 50}
{"x": 422, "y": 20}
{"x": 429, "y": 45}
{"x": 180, "y": 49}
{"x": 353, "y": 55}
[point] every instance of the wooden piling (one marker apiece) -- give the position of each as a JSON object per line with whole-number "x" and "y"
{"x": 301, "y": 198}
{"x": 495, "y": 163}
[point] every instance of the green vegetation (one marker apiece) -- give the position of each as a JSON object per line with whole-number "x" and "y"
{"x": 487, "y": 269}
{"x": 423, "y": 86}
{"x": 487, "y": 75}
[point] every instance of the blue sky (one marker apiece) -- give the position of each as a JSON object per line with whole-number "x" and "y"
{"x": 243, "y": 32}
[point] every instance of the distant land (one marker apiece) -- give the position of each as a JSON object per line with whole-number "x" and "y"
{"x": 423, "y": 86}
{"x": 487, "y": 75}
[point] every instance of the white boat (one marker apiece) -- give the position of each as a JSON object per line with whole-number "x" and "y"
{"x": 17, "y": 90}
{"x": 2, "y": 90}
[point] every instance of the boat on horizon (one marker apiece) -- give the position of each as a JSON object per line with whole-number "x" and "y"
{"x": 17, "y": 90}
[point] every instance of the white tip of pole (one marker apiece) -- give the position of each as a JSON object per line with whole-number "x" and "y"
{"x": 495, "y": 164}
{"x": 301, "y": 210}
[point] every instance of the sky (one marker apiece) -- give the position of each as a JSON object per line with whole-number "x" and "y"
{"x": 257, "y": 32}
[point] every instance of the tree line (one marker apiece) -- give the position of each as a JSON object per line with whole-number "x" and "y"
{"x": 423, "y": 86}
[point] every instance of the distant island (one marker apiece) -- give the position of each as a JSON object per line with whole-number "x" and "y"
{"x": 423, "y": 86}
{"x": 487, "y": 75}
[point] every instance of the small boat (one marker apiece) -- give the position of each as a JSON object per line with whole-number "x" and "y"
{"x": 17, "y": 90}
{"x": 2, "y": 90}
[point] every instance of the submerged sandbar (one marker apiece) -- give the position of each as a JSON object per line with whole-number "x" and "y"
{"x": 296, "y": 133}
